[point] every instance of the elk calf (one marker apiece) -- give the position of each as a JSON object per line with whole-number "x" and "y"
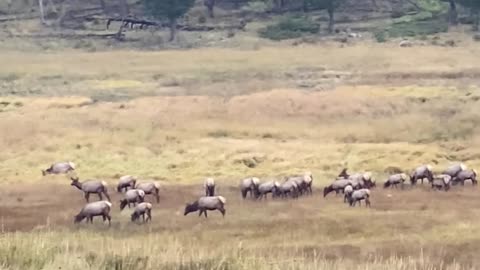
{"x": 441, "y": 181}
{"x": 142, "y": 209}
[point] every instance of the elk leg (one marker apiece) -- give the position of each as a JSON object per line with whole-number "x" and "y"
{"x": 87, "y": 196}
{"x": 106, "y": 195}
{"x": 149, "y": 215}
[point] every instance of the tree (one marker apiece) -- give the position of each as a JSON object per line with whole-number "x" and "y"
{"x": 103, "y": 5}
{"x": 169, "y": 10}
{"x": 42, "y": 13}
{"x": 210, "y": 4}
{"x": 329, "y": 5}
{"x": 474, "y": 6}
{"x": 124, "y": 8}
{"x": 452, "y": 13}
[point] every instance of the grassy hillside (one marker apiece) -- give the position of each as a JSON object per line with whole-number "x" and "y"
{"x": 179, "y": 116}
{"x": 389, "y": 108}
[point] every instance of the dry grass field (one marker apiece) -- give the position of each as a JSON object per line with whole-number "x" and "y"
{"x": 180, "y": 116}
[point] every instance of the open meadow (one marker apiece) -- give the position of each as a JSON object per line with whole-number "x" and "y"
{"x": 180, "y": 116}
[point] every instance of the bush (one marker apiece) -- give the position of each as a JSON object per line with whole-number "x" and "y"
{"x": 290, "y": 27}
{"x": 421, "y": 16}
{"x": 258, "y": 6}
{"x": 411, "y": 29}
{"x": 380, "y": 36}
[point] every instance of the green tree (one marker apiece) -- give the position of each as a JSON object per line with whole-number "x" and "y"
{"x": 329, "y": 5}
{"x": 474, "y": 6}
{"x": 452, "y": 11}
{"x": 169, "y": 10}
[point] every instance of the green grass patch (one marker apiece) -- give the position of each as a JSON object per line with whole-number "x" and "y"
{"x": 10, "y": 77}
{"x": 290, "y": 27}
{"x": 407, "y": 28}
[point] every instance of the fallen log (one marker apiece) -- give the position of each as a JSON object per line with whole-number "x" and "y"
{"x": 66, "y": 35}
{"x": 145, "y": 24}
{"x": 131, "y": 22}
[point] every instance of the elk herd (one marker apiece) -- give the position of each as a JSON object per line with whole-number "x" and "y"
{"x": 354, "y": 187}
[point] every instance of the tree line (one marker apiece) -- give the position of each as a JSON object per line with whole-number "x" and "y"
{"x": 168, "y": 12}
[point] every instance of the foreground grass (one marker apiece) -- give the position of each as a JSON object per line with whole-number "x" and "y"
{"x": 409, "y": 229}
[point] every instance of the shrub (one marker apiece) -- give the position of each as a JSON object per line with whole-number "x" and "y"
{"x": 411, "y": 29}
{"x": 380, "y": 36}
{"x": 290, "y": 27}
{"x": 258, "y": 6}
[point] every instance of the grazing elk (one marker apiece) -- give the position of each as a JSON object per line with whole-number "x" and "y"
{"x": 91, "y": 186}
{"x": 308, "y": 182}
{"x": 304, "y": 182}
{"x": 468, "y": 174}
{"x": 441, "y": 181}
{"x": 395, "y": 179}
{"x": 268, "y": 187}
{"x": 132, "y": 196}
{"x": 142, "y": 209}
{"x": 420, "y": 173}
{"x": 288, "y": 188}
{"x": 358, "y": 196}
{"x": 205, "y": 204}
{"x": 150, "y": 188}
{"x": 90, "y": 210}
{"x": 59, "y": 168}
{"x": 454, "y": 170}
{"x": 347, "y": 192}
{"x": 125, "y": 182}
{"x": 362, "y": 180}
{"x": 249, "y": 185}
{"x": 209, "y": 186}
{"x": 337, "y": 186}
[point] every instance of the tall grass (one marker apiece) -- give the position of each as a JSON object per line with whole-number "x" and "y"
{"x": 409, "y": 229}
